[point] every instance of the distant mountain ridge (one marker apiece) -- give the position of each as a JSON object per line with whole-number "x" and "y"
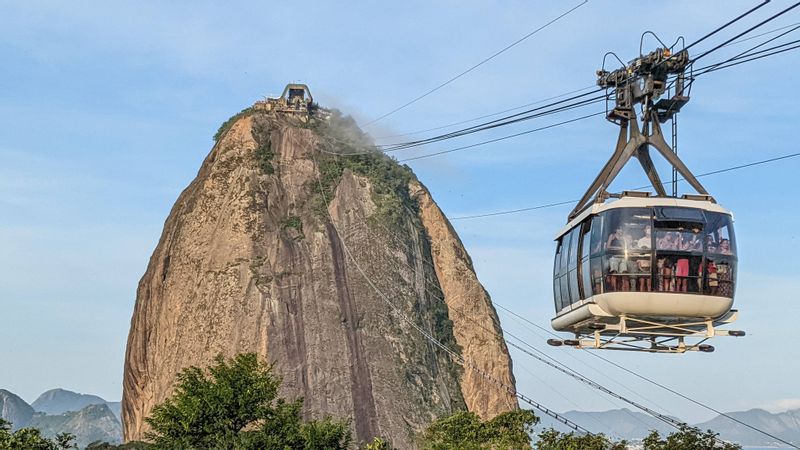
{"x": 90, "y": 424}
{"x": 785, "y": 425}
{"x": 89, "y": 417}
{"x": 58, "y": 401}
{"x": 634, "y": 425}
{"x": 96, "y": 419}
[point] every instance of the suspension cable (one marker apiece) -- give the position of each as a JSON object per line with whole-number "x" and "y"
{"x": 653, "y": 382}
{"x": 729, "y": 23}
{"x": 482, "y": 62}
{"x": 551, "y": 205}
{"x": 458, "y": 359}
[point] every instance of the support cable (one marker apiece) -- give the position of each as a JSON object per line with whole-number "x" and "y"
{"x": 551, "y": 108}
{"x": 560, "y": 95}
{"x": 503, "y": 138}
{"x": 482, "y": 62}
{"x": 655, "y": 383}
{"x": 498, "y": 332}
{"x": 485, "y": 116}
{"x": 751, "y": 57}
{"x": 750, "y": 51}
{"x": 550, "y": 205}
{"x": 754, "y": 27}
{"x": 729, "y": 23}
{"x": 458, "y": 359}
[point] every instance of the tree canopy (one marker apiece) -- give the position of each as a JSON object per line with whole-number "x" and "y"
{"x": 688, "y": 438}
{"x": 234, "y": 404}
{"x": 466, "y": 431}
{"x": 32, "y": 439}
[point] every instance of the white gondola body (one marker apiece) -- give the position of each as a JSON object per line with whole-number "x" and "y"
{"x": 669, "y": 263}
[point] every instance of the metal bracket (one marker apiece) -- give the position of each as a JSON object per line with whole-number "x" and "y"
{"x": 642, "y": 82}
{"x": 643, "y": 335}
{"x": 634, "y": 142}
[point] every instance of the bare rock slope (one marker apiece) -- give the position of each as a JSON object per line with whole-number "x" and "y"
{"x": 299, "y": 242}
{"x": 14, "y": 409}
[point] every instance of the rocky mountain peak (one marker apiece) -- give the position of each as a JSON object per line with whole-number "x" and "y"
{"x": 300, "y": 242}
{"x": 14, "y": 409}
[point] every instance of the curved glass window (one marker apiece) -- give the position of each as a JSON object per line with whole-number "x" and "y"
{"x": 557, "y": 275}
{"x": 572, "y": 275}
{"x": 627, "y": 244}
{"x": 660, "y": 249}
{"x": 720, "y": 247}
{"x": 586, "y": 272}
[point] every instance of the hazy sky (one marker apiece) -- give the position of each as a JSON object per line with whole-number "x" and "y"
{"x": 108, "y": 110}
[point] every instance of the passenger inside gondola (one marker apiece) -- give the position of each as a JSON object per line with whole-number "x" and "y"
{"x": 711, "y": 244}
{"x": 725, "y": 247}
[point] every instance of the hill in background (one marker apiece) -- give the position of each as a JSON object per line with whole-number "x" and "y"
{"x": 89, "y": 417}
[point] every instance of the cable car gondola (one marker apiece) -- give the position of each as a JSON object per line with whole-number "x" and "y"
{"x": 645, "y": 271}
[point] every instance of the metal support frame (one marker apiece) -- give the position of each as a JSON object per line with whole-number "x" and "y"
{"x": 640, "y": 334}
{"x": 640, "y": 83}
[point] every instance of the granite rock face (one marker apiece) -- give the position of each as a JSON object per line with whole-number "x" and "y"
{"x": 298, "y": 242}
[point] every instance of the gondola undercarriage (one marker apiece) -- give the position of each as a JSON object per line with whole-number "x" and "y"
{"x": 648, "y": 334}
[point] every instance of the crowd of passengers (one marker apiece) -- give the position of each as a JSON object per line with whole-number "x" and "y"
{"x": 627, "y": 271}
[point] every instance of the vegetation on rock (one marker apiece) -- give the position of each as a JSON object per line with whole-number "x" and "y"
{"x": 293, "y": 222}
{"x": 344, "y": 146}
{"x": 264, "y": 155}
{"x": 229, "y": 123}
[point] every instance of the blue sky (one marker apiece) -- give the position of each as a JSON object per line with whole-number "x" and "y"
{"x": 108, "y": 110}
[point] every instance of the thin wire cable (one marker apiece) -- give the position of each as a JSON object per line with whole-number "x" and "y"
{"x": 593, "y": 417}
{"x": 751, "y": 57}
{"x": 653, "y": 382}
{"x": 551, "y": 108}
{"x": 544, "y": 358}
{"x": 763, "y": 34}
{"x": 754, "y": 27}
{"x": 503, "y": 138}
{"x": 560, "y": 95}
{"x": 750, "y": 51}
{"x": 570, "y": 353}
{"x": 563, "y": 368}
{"x": 550, "y": 205}
{"x": 729, "y": 23}
{"x": 482, "y": 62}
{"x": 453, "y": 355}
{"x": 410, "y": 133}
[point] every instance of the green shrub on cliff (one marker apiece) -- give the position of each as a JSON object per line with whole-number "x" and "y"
{"x": 344, "y": 146}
